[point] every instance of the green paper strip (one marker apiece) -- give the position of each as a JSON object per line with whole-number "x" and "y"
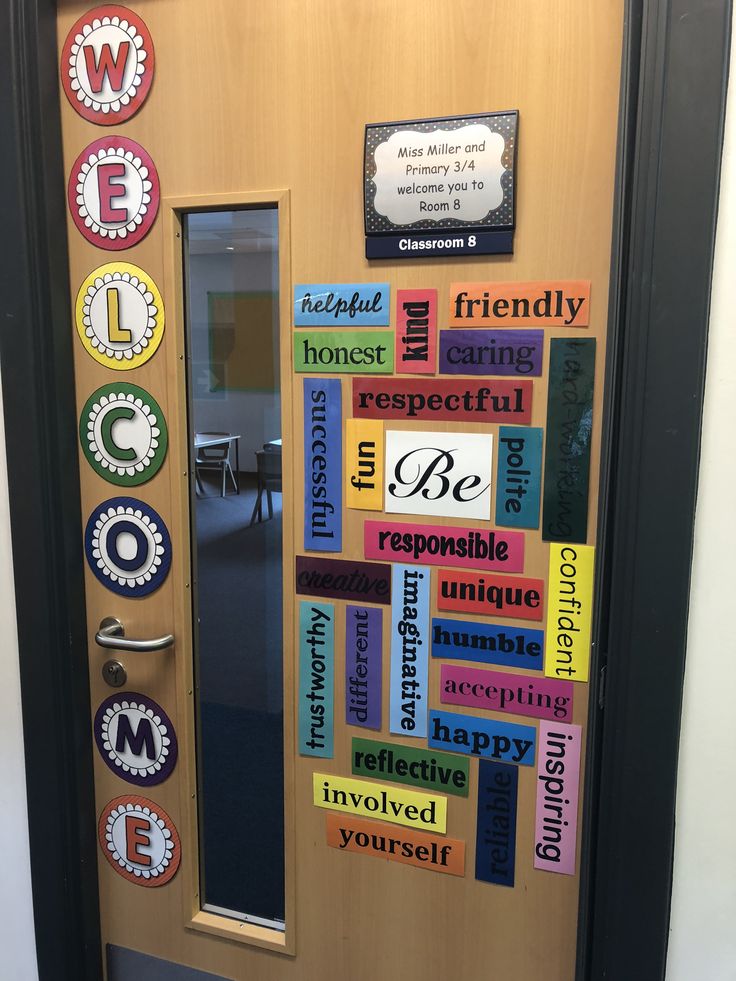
{"x": 414, "y": 767}
{"x": 569, "y": 431}
{"x": 344, "y": 352}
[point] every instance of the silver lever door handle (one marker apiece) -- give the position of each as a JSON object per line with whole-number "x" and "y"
{"x": 112, "y": 634}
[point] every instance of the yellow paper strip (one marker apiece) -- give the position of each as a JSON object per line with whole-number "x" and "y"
{"x": 569, "y": 611}
{"x": 364, "y": 464}
{"x": 376, "y": 800}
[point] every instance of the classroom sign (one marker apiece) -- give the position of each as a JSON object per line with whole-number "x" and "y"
{"x": 443, "y": 186}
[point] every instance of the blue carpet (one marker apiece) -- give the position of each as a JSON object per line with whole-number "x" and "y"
{"x": 240, "y": 720}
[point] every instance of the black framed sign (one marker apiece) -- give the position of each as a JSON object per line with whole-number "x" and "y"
{"x": 443, "y": 186}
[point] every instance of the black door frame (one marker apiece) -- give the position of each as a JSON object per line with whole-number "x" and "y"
{"x": 674, "y": 83}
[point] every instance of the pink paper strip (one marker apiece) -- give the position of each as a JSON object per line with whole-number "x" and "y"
{"x": 468, "y": 548}
{"x": 558, "y": 777}
{"x": 416, "y": 332}
{"x": 498, "y": 691}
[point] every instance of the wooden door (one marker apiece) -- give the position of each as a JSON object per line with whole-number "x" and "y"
{"x": 264, "y": 106}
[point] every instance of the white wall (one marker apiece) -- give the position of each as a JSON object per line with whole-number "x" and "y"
{"x": 703, "y": 922}
{"x": 17, "y": 943}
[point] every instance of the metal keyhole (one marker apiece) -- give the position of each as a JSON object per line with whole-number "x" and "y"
{"x": 114, "y": 674}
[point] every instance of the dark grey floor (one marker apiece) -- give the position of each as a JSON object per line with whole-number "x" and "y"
{"x": 240, "y": 720}
{"x": 129, "y": 965}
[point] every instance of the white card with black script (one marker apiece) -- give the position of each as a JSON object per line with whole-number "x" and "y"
{"x": 445, "y": 474}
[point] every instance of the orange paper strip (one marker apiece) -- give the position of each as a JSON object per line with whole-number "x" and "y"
{"x": 425, "y": 851}
{"x": 550, "y": 303}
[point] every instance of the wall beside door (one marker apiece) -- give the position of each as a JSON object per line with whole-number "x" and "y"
{"x": 17, "y": 938}
{"x": 702, "y": 940}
